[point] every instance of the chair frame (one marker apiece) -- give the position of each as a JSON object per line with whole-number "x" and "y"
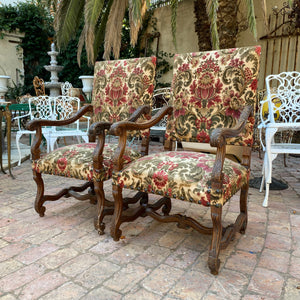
{"x": 95, "y": 193}
{"x": 288, "y": 93}
{"x": 221, "y": 236}
{"x": 98, "y": 130}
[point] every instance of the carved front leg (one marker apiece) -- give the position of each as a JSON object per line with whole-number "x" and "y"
{"x": 98, "y": 222}
{"x": 116, "y": 221}
{"x": 39, "y": 199}
{"x": 243, "y": 206}
{"x": 213, "y": 258}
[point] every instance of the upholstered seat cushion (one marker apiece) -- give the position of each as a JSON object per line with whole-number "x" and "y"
{"x": 183, "y": 175}
{"x": 76, "y": 161}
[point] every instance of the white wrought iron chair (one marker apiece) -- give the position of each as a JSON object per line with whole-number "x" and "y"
{"x": 283, "y": 101}
{"x": 65, "y": 88}
{"x": 161, "y": 98}
{"x": 64, "y": 107}
{"x": 39, "y": 108}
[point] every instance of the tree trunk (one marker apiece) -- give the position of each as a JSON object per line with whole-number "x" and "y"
{"x": 227, "y": 24}
{"x": 202, "y": 26}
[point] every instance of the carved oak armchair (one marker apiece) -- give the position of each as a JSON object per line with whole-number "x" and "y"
{"x": 213, "y": 96}
{"x": 122, "y": 90}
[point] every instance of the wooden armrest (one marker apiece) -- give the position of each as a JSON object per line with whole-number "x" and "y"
{"x": 119, "y": 127}
{"x": 218, "y": 139}
{"x": 34, "y": 124}
{"x": 99, "y": 127}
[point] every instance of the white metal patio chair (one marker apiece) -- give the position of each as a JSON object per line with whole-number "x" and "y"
{"x": 283, "y": 101}
{"x": 39, "y": 108}
{"x": 64, "y": 107}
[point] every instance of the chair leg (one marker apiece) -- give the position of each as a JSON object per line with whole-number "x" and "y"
{"x": 18, "y": 136}
{"x": 39, "y": 199}
{"x": 263, "y": 174}
{"x": 213, "y": 257}
{"x": 98, "y": 221}
{"x": 116, "y": 221}
{"x": 85, "y": 138}
{"x": 265, "y": 203}
{"x": 244, "y": 207}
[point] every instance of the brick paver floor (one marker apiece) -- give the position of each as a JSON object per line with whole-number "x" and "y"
{"x": 61, "y": 256}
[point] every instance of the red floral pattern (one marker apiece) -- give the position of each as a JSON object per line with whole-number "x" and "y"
{"x": 120, "y": 87}
{"x": 182, "y": 175}
{"x": 76, "y": 161}
{"x": 213, "y": 86}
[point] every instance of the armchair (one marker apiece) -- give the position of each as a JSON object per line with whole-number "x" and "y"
{"x": 122, "y": 90}
{"x": 213, "y": 96}
{"x": 283, "y": 114}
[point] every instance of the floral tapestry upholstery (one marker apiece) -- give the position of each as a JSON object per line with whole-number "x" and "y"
{"x": 210, "y": 90}
{"x": 76, "y": 161}
{"x": 120, "y": 87}
{"x": 183, "y": 175}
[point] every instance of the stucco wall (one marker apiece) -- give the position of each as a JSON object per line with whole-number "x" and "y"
{"x": 11, "y": 57}
{"x": 187, "y": 40}
{"x": 185, "y": 34}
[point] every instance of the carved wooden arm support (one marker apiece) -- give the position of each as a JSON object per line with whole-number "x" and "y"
{"x": 121, "y": 128}
{"x": 98, "y": 129}
{"x": 218, "y": 139}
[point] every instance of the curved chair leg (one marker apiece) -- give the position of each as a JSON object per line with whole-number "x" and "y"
{"x": 51, "y": 142}
{"x": 85, "y": 138}
{"x": 262, "y": 184}
{"x": 116, "y": 221}
{"x": 18, "y": 136}
{"x": 244, "y": 207}
{"x": 98, "y": 222}
{"x": 213, "y": 257}
{"x": 39, "y": 199}
{"x": 78, "y": 139}
{"x": 270, "y": 132}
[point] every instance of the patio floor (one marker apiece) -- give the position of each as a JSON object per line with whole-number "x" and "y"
{"x": 61, "y": 256}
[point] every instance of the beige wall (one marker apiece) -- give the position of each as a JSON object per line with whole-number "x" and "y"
{"x": 11, "y": 57}
{"x": 187, "y": 40}
{"x": 186, "y": 37}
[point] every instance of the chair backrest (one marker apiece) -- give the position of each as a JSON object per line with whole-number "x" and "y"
{"x": 210, "y": 90}
{"x": 282, "y": 104}
{"x": 41, "y": 107}
{"x": 39, "y": 86}
{"x": 65, "y": 88}
{"x": 64, "y": 107}
{"x": 121, "y": 86}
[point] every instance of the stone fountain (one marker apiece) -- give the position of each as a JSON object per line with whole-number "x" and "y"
{"x": 54, "y": 86}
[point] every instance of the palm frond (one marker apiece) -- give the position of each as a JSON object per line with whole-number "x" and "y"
{"x": 114, "y": 28}
{"x": 92, "y": 11}
{"x": 135, "y": 19}
{"x": 264, "y": 8}
{"x": 212, "y": 9}
{"x": 251, "y": 17}
{"x": 67, "y": 20}
{"x": 100, "y": 28}
{"x": 174, "y": 6}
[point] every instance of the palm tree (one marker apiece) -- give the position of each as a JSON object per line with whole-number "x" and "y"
{"x": 103, "y": 21}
